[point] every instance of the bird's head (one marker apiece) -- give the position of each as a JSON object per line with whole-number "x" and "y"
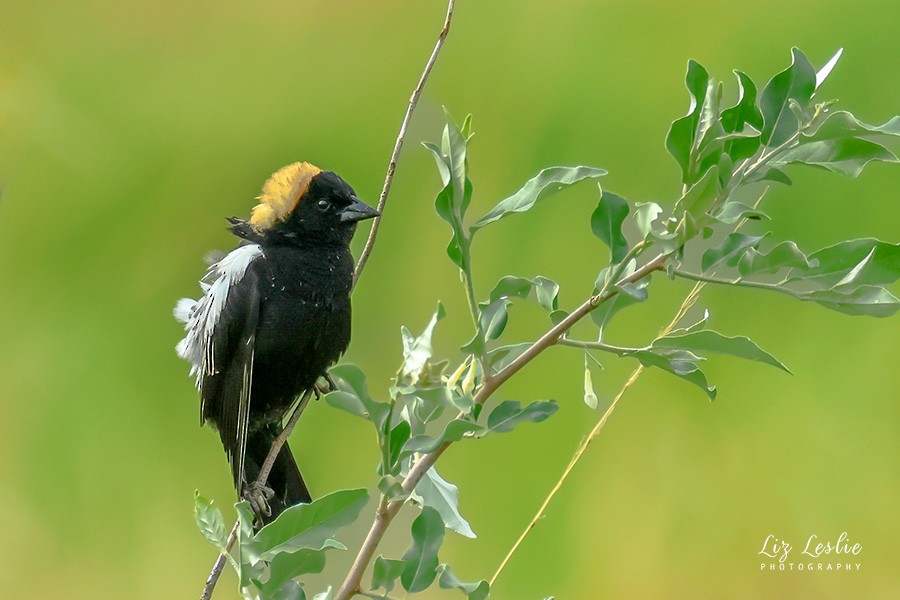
{"x": 302, "y": 204}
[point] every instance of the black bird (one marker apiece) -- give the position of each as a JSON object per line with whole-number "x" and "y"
{"x": 274, "y": 315}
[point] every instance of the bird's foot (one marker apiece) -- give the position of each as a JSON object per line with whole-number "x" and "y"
{"x": 258, "y": 495}
{"x": 323, "y": 387}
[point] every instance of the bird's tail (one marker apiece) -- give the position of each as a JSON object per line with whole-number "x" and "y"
{"x": 284, "y": 479}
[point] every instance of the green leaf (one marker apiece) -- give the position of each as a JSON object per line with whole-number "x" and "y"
{"x": 417, "y": 350}
{"x": 797, "y": 82}
{"x": 744, "y": 118}
{"x": 510, "y": 413}
{"x": 867, "y": 300}
{"x": 842, "y": 124}
{"x": 290, "y": 590}
{"x": 310, "y": 525}
{"x": 708, "y": 340}
{"x": 546, "y": 291}
{"x": 510, "y": 286}
{"x": 500, "y": 357}
{"x": 768, "y": 173}
{"x": 441, "y": 495}
{"x": 733, "y": 212}
{"x": 353, "y": 395}
{"x": 455, "y": 147}
{"x": 538, "y": 188}
{"x": 397, "y": 439}
{"x": 249, "y": 565}
{"x": 835, "y": 262}
{"x": 606, "y": 223}
{"x": 682, "y": 133}
{"x": 846, "y": 156}
{"x": 385, "y": 572}
{"x": 452, "y": 201}
{"x": 288, "y": 565}
{"x": 348, "y": 402}
{"x": 326, "y": 595}
{"x": 449, "y": 581}
{"x": 210, "y": 521}
{"x": 627, "y": 295}
{"x": 730, "y": 250}
{"x": 645, "y": 213}
{"x": 785, "y": 255}
{"x": 428, "y": 405}
{"x": 494, "y": 318}
{"x": 603, "y": 313}
{"x": 679, "y": 362}
{"x": 454, "y": 431}
{"x": 698, "y": 200}
{"x": 421, "y": 559}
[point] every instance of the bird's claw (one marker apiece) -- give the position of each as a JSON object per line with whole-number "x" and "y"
{"x": 258, "y": 495}
{"x": 322, "y": 388}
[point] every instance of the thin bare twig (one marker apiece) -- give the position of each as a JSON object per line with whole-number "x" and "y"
{"x": 401, "y": 135}
{"x": 261, "y": 479}
{"x": 266, "y": 467}
{"x": 213, "y": 578}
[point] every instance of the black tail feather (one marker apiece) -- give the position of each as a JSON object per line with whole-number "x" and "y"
{"x": 284, "y": 479}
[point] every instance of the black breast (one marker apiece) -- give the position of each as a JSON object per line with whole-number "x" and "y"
{"x": 304, "y": 321}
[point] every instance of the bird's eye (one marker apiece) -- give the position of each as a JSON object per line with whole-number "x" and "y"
{"x": 323, "y": 205}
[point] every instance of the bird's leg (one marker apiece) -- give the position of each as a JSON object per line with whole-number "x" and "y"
{"x": 258, "y": 495}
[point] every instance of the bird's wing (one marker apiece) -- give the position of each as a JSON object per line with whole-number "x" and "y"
{"x": 220, "y": 345}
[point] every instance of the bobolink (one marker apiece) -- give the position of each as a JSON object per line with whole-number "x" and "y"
{"x": 274, "y": 315}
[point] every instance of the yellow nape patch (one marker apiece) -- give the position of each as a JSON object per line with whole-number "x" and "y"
{"x": 280, "y": 194}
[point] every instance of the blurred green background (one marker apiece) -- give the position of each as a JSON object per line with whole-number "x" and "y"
{"x": 128, "y": 130}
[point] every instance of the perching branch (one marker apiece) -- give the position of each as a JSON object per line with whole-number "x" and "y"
{"x": 386, "y": 512}
{"x": 401, "y": 135}
{"x": 266, "y": 467}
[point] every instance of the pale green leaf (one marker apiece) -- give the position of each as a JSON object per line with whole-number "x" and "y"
{"x": 478, "y": 590}
{"x": 210, "y": 521}
{"x": 682, "y": 363}
{"x": 310, "y": 525}
{"x": 730, "y": 250}
{"x": 421, "y": 560}
{"x": 834, "y": 262}
{"x": 606, "y": 223}
{"x": 538, "y": 188}
{"x": 442, "y": 496}
{"x": 510, "y": 413}
{"x": 645, "y": 213}
{"x": 797, "y": 82}
{"x": 385, "y": 572}
{"x": 708, "y": 340}
{"x": 867, "y": 300}
{"x": 417, "y": 350}
{"x": 846, "y": 156}
{"x": 785, "y": 255}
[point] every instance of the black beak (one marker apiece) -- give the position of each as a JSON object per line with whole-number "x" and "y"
{"x": 358, "y": 211}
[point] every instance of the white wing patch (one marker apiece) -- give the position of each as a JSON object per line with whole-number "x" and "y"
{"x": 201, "y": 316}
